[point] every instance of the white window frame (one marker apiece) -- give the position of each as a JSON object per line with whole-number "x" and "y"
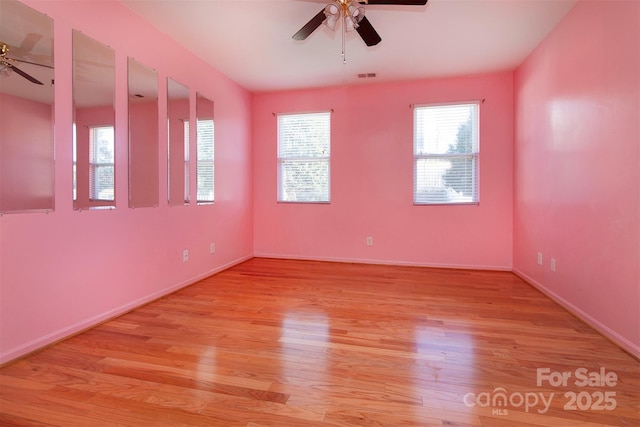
{"x": 187, "y": 161}
{"x": 204, "y": 164}
{"x": 94, "y": 166}
{"x": 186, "y": 135}
{"x": 75, "y": 162}
{"x": 323, "y": 156}
{"x": 441, "y": 193}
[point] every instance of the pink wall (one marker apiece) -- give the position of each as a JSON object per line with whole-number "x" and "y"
{"x": 26, "y": 159}
{"x": 372, "y": 179}
{"x": 66, "y": 270}
{"x": 577, "y": 167}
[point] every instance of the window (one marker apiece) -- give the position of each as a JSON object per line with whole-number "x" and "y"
{"x": 303, "y": 157}
{"x": 75, "y": 164}
{"x": 187, "y": 163}
{"x": 446, "y": 154}
{"x": 204, "y": 160}
{"x": 101, "y": 163}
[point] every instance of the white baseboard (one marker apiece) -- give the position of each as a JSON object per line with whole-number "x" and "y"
{"x": 384, "y": 262}
{"x": 56, "y": 336}
{"x": 613, "y": 336}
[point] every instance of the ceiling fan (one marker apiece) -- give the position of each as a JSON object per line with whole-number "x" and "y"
{"x": 7, "y": 65}
{"x": 352, "y": 11}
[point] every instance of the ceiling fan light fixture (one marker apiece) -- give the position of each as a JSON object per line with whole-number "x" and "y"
{"x": 331, "y": 22}
{"x": 332, "y": 9}
{"x": 350, "y": 24}
{"x": 332, "y": 12}
{"x": 5, "y": 70}
{"x": 356, "y": 13}
{"x": 352, "y": 14}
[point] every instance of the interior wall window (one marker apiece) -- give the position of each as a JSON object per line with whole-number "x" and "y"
{"x": 205, "y": 167}
{"x": 144, "y": 147}
{"x": 187, "y": 165}
{"x": 446, "y": 154}
{"x": 101, "y": 163}
{"x": 205, "y": 142}
{"x": 27, "y": 110}
{"x": 304, "y": 148}
{"x": 178, "y": 117}
{"x": 74, "y": 153}
{"x": 185, "y": 162}
{"x": 93, "y": 111}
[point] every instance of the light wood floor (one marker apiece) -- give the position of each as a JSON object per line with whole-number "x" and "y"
{"x": 296, "y": 343}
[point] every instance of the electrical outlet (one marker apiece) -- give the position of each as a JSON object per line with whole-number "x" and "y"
{"x": 539, "y": 258}
{"x": 369, "y": 241}
{"x": 185, "y": 255}
{"x": 212, "y": 248}
{"x": 553, "y": 264}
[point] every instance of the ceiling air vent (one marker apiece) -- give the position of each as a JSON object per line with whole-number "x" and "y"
{"x": 366, "y": 75}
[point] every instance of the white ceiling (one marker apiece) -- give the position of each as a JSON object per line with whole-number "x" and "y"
{"x": 250, "y": 40}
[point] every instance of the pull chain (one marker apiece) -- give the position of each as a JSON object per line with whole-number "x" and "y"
{"x": 344, "y": 32}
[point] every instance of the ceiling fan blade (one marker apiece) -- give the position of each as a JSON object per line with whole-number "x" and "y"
{"x": 368, "y": 33}
{"x": 397, "y": 2}
{"x": 310, "y": 26}
{"x": 29, "y": 62}
{"x": 29, "y": 42}
{"x": 22, "y": 73}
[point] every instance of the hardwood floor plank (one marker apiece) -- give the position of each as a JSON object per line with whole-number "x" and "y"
{"x": 301, "y": 343}
{"x": 8, "y": 420}
{"x": 347, "y": 418}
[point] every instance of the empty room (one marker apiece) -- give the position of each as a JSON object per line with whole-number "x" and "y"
{"x": 320, "y": 213}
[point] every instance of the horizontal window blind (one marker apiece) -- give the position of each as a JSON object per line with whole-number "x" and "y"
{"x": 304, "y": 145}
{"x": 101, "y": 163}
{"x": 75, "y": 161}
{"x": 205, "y": 160}
{"x": 446, "y": 154}
{"x": 187, "y": 164}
